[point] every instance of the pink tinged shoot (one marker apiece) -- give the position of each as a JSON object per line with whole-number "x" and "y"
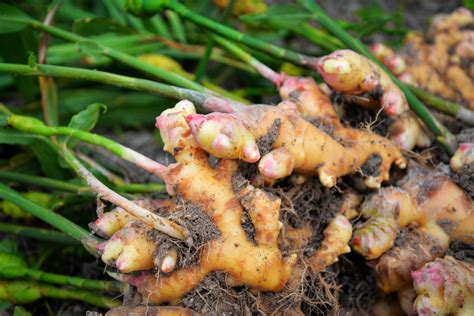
{"x": 276, "y": 164}
{"x": 464, "y": 155}
{"x": 224, "y": 136}
{"x": 393, "y": 103}
{"x": 129, "y": 250}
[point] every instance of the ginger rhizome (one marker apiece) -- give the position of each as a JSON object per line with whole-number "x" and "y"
{"x": 349, "y": 73}
{"x": 259, "y": 265}
{"x": 441, "y": 61}
{"x": 298, "y": 145}
{"x": 435, "y": 210}
{"x": 293, "y": 145}
{"x": 444, "y": 287}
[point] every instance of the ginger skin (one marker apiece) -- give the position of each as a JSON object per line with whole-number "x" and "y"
{"x": 261, "y": 265}
{"x": 437, "y": 61}
{"x": 350, "y": 73}
{"x": 430, "y": 203}
{"x": 444, "y": 286}
{"x": 308, "y": 149}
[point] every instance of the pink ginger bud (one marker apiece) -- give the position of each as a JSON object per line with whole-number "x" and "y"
{"x": 343, "y": 70}
{"x": 463, "y": 155}
{"x": 173, "y": 128}
{"x": 129, "y": 249}
{"x": 224, "y": 136}
{"x": 276, "y": 164}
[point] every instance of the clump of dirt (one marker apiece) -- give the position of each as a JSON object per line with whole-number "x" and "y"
{"x": 248, "y": 226}
{"x": 466, "y": 136}
{"x": 461, "y": 251}
{"x": 325, "y": 126}
{"x": 357, "y": 116}
{"x": 212, "y": 296}
{"x": 200, "y": 230}
{"x": 372, "y": 166}
{"x": 401, "y": 237}
{"x": 358, "y": 286}
{"x": 307, "y": 203}
{"x": 265, "y": 143}
{"x": 465, "y": 179}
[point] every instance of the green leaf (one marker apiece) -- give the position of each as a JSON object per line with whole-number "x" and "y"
{"x": 469, "y": 4}
{"x": 87, "y": 118}
{"x": 9, "y": 246}
{"x": 91, "y": 48}
{"x": 97, "y": 26}
{"x": 21, "y": 311}
{"x": 282, "y": 16}
{"x": 12, "y": 137}
{"x": 12, "y": 19}
{"x": 48, "y": 159}
{"x": 32, "y": 61}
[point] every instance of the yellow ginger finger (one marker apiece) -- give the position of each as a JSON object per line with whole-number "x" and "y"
{"x": 336, "y": 239}
{"x": 313, "y": 151}
{"x": 310, "y": 100}
{"x": 444, "y": 286}
{"x": 464, "y": 155}
{"x": 386, "y": 211}
{"x": 443, "y": 210}
{"x": 406, "y": 298}
{"x": 109, "y": 223}
{"x": 260, "y": 264}
{"x": 348, "y": 72}
{"x": 277, "y": 164}
{"x": 460, "y": 81}
{"x": 419, "y": 246}
{"x": 129, "y": 249}
{"x": 349, "y": 204}
{"x": 316, "y": 107}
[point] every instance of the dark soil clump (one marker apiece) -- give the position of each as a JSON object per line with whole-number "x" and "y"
{"x": 265, "y": 143}
{"x": 200, "y": 230}
{"x": 461, "y": 251}
{"x": 372, "y": 166}
{"x": 308, "y": 203}
{"x": 213, "y": 297}
{"x": 465, "y": 179}
{"x": 466, "y": 136}
{"x": 359, "y": 290}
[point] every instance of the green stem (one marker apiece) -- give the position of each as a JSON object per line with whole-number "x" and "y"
{"x": 126, "y": 59}
{"x": 206, "y": 101}
{"x": 201, "y": 67}
{"x": 76, "y": 188}
{"x": 55, "y": 220}
{"x": 18, "y": 272}
{"x": 86, "y": 296}
{"x": 38, "y": 233}
{"x": 442, "y": 134}
{"x": 154, "y": 6}
{"x": 26, "y": 292}
{"x": 35, "y": 126}
{"x": 260, "y": 67}
{"x": 454, "y": 109}
{"x": 44, "y": 182}
{"x": 318, "y": 37}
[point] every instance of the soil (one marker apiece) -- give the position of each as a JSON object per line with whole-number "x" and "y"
{"x": 461, "y": 251}
{"x": 265, "y": 143}
{"x": 308, "y": 203}
{"x": 372, "y": 166}
{"x": 358, "y": 291}
{"x": 465, "y": 178}
{"x": 200, "y": 230}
